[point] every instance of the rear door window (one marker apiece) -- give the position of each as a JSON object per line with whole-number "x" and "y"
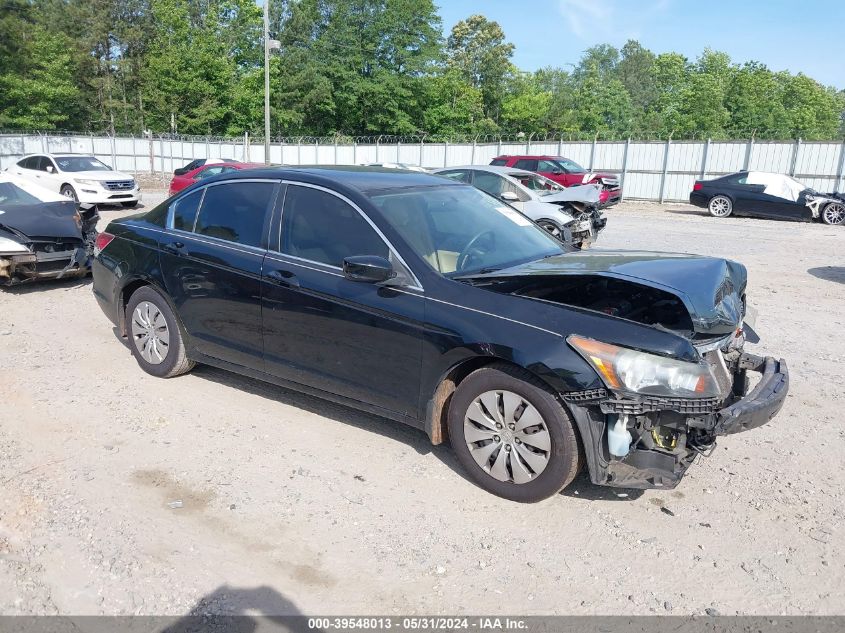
{"x": 235, "y": 211}
{"x": 527, "y": 164}
{"x": 320, "y": 227}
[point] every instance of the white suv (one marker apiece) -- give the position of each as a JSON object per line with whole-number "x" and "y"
{"x": 80, "y": 177}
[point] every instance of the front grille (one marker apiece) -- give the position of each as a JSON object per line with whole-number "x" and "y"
{"x": 119, "y": 185}
{"x": 646, "y": 404}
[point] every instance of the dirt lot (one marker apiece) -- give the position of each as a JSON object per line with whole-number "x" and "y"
{"x": 290, "y": 504}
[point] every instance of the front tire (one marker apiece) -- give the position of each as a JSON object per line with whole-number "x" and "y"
{"x": 155, "y": 336}
{"x": 512, "y": 435}
{"x": 69, "y": 192}
{"x": 720, "y": 206}
{"x": 833, "y": 213}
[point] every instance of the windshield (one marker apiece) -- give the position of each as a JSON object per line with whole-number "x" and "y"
{"x": 462, "y": 231}
{"x": 570, "y": 166}
{"x": 541, "y": 185}
{"x": 80, "y": 163}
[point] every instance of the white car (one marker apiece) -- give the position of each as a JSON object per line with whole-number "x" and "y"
{"x": 82, "y": 178}
{"x": 559, "y": 210}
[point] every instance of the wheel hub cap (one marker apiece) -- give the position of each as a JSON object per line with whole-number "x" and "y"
{"x": 150, "y": 333}
{"x": 507, "y": 437}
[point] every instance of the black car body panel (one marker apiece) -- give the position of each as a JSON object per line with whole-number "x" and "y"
{"x": 391, "y": 348}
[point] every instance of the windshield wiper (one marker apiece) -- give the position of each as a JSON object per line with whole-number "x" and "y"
{"x": 478, "y": 273}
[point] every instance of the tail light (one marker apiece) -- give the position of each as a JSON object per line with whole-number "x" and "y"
{"x": 698, "y": 186}
{"x": 103, "y": 240}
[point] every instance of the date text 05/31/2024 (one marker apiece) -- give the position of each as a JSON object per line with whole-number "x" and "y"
{"x": 418, "y": 623}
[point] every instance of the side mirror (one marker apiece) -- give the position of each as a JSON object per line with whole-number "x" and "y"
{"x": 50, "y": 169}
{"x": 369, "y": 268}
{"x": 557, "y": 172}
{"x": 509, "y": 196}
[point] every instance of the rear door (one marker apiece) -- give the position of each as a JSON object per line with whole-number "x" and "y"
{"x": 212, "y": 258}
{"x": 358, "y": 340}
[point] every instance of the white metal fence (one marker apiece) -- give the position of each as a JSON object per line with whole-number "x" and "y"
{"x": 649, "y": 170}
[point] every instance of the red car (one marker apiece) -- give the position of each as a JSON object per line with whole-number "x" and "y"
{"x": 182, "y": 181}
{"x": 567, "y": 173}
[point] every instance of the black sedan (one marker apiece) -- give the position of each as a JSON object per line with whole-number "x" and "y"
{"x": 767, "y": 195}
{"x": 428, "y": 302}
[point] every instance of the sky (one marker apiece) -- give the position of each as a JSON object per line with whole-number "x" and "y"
{"x": 804, "y": 36}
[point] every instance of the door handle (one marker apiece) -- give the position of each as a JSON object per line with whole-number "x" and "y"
{"x": 283, "y": 278}
{"x": 173, "y": 247}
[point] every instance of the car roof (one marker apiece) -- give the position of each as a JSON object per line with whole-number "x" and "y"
{"x": 496, "y": 169}
{"x": 530, "y": 156}
{"x": 366, "y": 180}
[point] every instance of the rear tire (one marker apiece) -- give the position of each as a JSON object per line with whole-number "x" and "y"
{"x": 833, "y": 213}
{"x": 155, "y": 335}
{"x": 524, "y": 460}
{"x": 720, "y": 206}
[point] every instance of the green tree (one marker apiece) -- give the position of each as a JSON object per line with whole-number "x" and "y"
{"x": 477, "y": 49}
{"x": 36, "y": 70}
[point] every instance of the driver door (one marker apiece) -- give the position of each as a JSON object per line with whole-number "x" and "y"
{"x": 355, "y": 339}
{"x": 495, "y": 185}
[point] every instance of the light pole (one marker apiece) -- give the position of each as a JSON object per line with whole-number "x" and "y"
{"x": 268, "y": 46}
{"x": 266, "y": 82}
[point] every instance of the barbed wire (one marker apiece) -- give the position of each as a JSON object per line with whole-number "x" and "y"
{"x": 740, "y": 136}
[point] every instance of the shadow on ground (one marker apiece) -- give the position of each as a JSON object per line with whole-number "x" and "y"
{"x": 583, "y": 488}
{"x": 47, "y": 285}
{"x": 829, "y": 273}
{"x": 242, "y": 610}
{"x": 397, "y": 431}
{"x": 695, "y": 212}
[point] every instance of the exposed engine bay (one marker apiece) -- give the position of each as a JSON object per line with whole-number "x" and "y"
{"x": 615, "y": 297}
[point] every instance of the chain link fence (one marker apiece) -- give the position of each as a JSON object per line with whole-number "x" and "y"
{"x": 659, "y": 170}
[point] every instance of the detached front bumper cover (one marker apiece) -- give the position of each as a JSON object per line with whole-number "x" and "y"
{"x": 762, "y": 403}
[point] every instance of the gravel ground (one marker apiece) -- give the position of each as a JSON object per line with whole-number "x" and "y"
{"x": 293, "y": 505}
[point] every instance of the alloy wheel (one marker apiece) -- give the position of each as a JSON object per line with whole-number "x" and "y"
{"x": 834, "y": 213}
{"x": 721, "y": 207}
{"x": 150, "y": 333}
{"x": 507, "y": 437}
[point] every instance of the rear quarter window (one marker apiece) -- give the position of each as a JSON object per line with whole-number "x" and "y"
{"x": 499, "y": 162}
{"x": 184, "y": 211}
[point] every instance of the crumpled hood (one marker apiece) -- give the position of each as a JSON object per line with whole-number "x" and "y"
{"x": 582, "y": 193}
{"x": 711, "y": 288}
{"x": 46, "y": 219}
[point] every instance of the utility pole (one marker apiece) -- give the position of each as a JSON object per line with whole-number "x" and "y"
{"x": 268, "y": 46}
{"x": 266, "y": 82}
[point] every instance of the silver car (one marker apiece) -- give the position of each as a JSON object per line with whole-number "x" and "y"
{"x": 570, "y": 214}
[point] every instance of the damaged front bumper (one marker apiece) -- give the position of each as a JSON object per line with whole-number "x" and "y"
{"x": 669, "y": 433}
{"x": 28, "y": 267}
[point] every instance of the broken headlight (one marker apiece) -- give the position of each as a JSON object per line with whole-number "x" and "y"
{"x": 10, "y": 247}
{"x": 626, "y": 369}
